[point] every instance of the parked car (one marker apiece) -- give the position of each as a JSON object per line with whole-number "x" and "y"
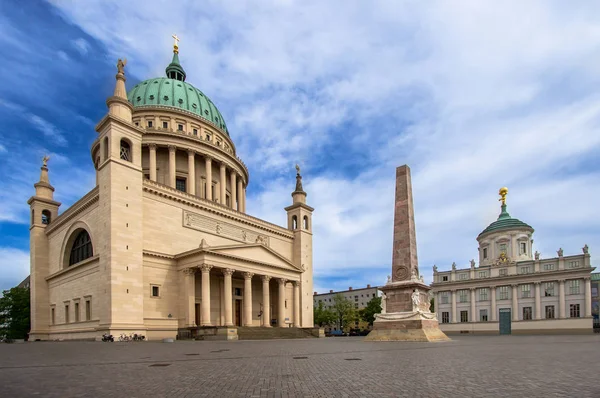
{"x": 336, "y": 333}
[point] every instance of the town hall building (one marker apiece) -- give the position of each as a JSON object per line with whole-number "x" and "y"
{"x": 163, "y": 246}
{"x": 514, "y": 290}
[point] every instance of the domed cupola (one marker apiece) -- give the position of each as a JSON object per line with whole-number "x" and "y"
{"x": 173, "y": 92}
{"x": 504, "y": 221}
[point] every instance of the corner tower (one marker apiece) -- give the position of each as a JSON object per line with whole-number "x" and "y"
{"x": 119, "y": 178}
{"x": 44, "y": 209}
{"x": 300, "y": 222}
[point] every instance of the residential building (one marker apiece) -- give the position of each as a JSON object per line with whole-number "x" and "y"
{"x": 358, "y": 297}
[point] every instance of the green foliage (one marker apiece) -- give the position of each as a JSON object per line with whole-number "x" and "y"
{"x": 14, "y": 313}
{"x": 343, "y": 310}
{"x": 373, "y": 307}
{"x": 323, "y": 316}
{"x": 432, "y": 305}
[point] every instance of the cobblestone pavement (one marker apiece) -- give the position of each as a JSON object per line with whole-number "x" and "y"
{"x": 507, "y": 366}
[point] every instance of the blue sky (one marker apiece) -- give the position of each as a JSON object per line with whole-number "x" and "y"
{"x": 472, "y": 95}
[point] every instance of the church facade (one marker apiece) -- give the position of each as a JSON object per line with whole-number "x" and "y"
{"x": 512, "y": 290}
{"x": 162, "y": 245}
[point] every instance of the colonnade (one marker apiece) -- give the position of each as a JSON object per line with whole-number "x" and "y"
{"x": 537, "y": 315}
{"x": 205, "y": 316}
{"x": 238, "y": 188}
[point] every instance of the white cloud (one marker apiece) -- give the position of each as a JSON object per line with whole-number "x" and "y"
{"x": 48, "y": 129}
{"x": 14, "y": 267}
{"x": 81, "y": 45}
{"x": 472, "y": 95}
{"x": 63, "y": 55}
{"x": 2, "y": 148}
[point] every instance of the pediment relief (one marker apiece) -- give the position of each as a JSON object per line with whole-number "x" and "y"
{"x": 258, "y": 253}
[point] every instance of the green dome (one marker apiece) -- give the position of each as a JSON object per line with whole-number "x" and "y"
{"x": 505, "y": 221}
{"x": 174, "y": 92}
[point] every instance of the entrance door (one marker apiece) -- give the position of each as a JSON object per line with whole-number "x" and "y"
{"x": 238, "y": 313}
{"x": 505, "y": 317}
{"x": 197, "y": 314}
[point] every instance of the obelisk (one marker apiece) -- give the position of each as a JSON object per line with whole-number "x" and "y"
{"x": 405, "y": 311}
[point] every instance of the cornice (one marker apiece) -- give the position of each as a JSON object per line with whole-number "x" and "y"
{"x": 122, "y": 122}
{"x": 303, "y": 205}
{"x": 214, "y": 208}
{"x": 157, "y": 254}
{"x": 78, "y": 266}
{"x": 76, "y": 208}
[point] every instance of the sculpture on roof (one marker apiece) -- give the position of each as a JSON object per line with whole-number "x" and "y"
{"x": 537, "y": 255}
{"x": 586, "y": 249}
{"x": 560, "y": 252}
{"x": 46, "y": 158}
{"x": 121, "y": 65}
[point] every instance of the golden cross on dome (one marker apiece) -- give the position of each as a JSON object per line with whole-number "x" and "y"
{"x": 176, "y": 44}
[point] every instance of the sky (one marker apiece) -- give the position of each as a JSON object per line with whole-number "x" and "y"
{"x": 472, "y": 95}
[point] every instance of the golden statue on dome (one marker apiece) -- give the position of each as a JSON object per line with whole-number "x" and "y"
{"x": 503, "y": 192}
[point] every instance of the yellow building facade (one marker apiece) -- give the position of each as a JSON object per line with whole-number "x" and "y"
{"x": 162, "y": 245}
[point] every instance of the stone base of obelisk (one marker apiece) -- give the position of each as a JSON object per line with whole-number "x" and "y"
{"x": 404, "y": 320}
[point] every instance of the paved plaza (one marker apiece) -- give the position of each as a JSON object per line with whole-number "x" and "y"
{"x": 503, "y": 366}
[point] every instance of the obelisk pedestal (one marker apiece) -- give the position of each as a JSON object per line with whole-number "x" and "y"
{"x": 405, "y": 302}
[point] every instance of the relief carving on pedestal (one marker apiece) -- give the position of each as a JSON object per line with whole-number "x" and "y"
{"x": 401, "y": 273}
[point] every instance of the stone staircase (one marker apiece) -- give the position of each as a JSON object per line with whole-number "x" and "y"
{"x": 261, "y": 333}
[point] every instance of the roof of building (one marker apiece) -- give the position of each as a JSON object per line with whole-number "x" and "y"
{"x": 596, "y": 276}
{"x": 173, "y": 91}
{"x": 504, "y": 222}
{"x": 369, "y": 287}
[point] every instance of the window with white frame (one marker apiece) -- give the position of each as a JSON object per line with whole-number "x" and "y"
{"x": 464, "y": 316}
{"x": 483, "y": 315}
{"x": 503, "y": 290}
{"x": 573, "y": 264}
{"x": 548, "y": 267}
{"x": 525, "y": 291}
{"x": 483, "y": 294}
{"x": 483, "y": 274}
{"x": 463, "y": 276}
{"x": 574, "y": 311}
{"x": 485, "y": 253}
{"x": 523, "y": 247}
{"x": 444, "y": 298}
{"x": 527, "y": 313}
{"x": 445, "y": 317}
{"x": 525, "y": 270}
{"x": 445, "y": 278}
{"x": 574, "y": 286}
{"x": 548, "y": 289}
{"x": 502, "y": 247}
{"x": 503, "y": 272}
{"x": 549, "y": 312}
{"x": 463, "y": 296}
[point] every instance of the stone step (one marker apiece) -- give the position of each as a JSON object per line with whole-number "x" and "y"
{"x": 262, "y": 333}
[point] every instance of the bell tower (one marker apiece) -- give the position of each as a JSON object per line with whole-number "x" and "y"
{"x": 300, "y": 223}
{"x": 44, "y": 209}
{"x": 121, "y": 211}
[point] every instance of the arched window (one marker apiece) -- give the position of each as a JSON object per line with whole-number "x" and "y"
{"x": 125, "y": 151}
{"x": 105, "y": 148}
{"x": 81, "y": 249}
{"x": 294, "y": 222}
{"x": 45, "y": 217}
{"x": 305, "y": 222}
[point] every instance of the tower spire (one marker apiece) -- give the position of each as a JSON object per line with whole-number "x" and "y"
{"x": 175, "y": 70}
{"x": 298, "y": 196}
{"x": 43, "y": 189}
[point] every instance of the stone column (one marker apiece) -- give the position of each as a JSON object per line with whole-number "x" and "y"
{"x": 266, "y": 321}
{"x": 172, "y": 152}
{"x": 281, "y": 304}
{"x": 152, "y": 148}
{"x": 588, "y": 296}
{"x": 228, "y": 297}
{"x": 515, "y": 302}
{"x": 223, "y": 185}
{"x": 453, "y": 320}
{"x": 473, "y": 316}
{"x": 297, "y": 304}
{"x": 240, "y": 193}
{"x": 561, "y": 298}
{"x": 191, "y": 182}
{"x": 248, "y": 298}
{"x": 205, "y": 308}
{"x": 208, "y": 165}
{"x": 538, "y": 301}
{"x": 189, "y": 284}
{"x": 244, "y": 199}
{"x": 233, "y": 190}
{"x": 493, "y": 293}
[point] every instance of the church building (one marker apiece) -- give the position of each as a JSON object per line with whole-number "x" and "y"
{"x": 162, "y": 246}
{"x": 514, "y": 290}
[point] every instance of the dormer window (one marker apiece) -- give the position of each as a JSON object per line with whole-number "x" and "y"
{"x": 165, "y": 125}
{"x": 150, "y": 123}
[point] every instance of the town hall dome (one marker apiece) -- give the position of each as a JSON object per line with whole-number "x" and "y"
{"x": 172, "y": 91}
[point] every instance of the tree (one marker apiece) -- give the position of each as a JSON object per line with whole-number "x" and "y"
{"x": 14, "y": 313}
{"x": 323, "y": 316}
{"x": 432, "y": 305}
{"x": 343, "y": 311}
{"x": 373, "y": 307}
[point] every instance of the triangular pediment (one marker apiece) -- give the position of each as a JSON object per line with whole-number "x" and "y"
{"x": 257, "y": 253}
